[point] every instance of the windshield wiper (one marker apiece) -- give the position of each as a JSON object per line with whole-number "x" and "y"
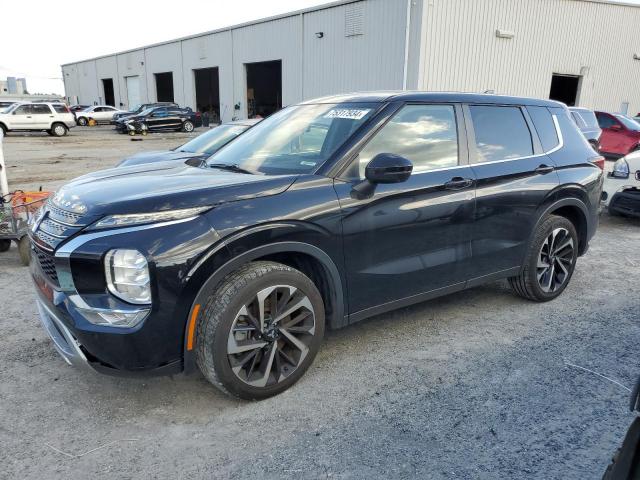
{"x": 232, "y": 167}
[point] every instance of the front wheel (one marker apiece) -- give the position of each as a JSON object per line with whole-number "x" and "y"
{"x": 260, "y": 330}
{"x": 550, "y": 261}
{"x": 187, "y": 126}
{"x": 82, "y": 122}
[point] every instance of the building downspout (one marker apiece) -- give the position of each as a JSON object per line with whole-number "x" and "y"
{"x": 407, "y": 31}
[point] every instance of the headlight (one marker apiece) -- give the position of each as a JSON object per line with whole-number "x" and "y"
{"x": 620, "y": 169}
{"x": 114, "y": 221}
{"x": 127, "y": 273}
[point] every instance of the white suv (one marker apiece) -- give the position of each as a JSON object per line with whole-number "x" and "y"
{"x": 53, "y": 118}
{"x": 99, "y": 113}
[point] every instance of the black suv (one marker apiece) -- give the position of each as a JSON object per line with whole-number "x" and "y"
{"x": 160, "y": 118}
{"x": 324, "y": 214}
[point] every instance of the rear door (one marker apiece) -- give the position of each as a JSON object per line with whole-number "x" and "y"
{"x": 42, "y": 116}
{"x": 175, "y": 117}
{"x": 514, "y": 177}
{"x": 406, "y": 240}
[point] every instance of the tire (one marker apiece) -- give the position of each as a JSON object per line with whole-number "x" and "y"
{"x": 550, "y": 261}
{"x": 234, "y": 304}
{"x": 5, "y": 245}
{"x": 59, "y": 129}
{"x": 24, "y": 250}
{"x": 187, "y": 126}
{"x": 49, "y": 132}
{"x": 4, "y": 130}
{"x": 132, "y": 133}
{"x": 83, "y": 122}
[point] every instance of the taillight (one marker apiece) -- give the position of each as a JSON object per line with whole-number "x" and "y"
{"x": 198, "y": 114}
{"x": 599, "y": 161}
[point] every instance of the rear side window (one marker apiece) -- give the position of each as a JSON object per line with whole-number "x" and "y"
{"x": 543, "y": 122}
{"x": 501, "y": 133}
{"x": 605, "y": 121}
{"x": 589, "y": 118}
{"x": 40, "y": 109}
{"x": 425, "y": 134}
{"x": 60, "y": 108}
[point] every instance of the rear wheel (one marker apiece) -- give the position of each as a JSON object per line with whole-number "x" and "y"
{"x": 260, "y": 330}
{"x": 82, "y": 122}
{"x": 4, "y": 129}
{"x": 5, "y": 245}
{"x": 550, "y": 261}
{"x": 187, "y": 126}
{"x": 59, "y": 130}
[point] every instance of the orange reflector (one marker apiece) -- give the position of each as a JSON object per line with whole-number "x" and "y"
{"x": 192, "y": 326}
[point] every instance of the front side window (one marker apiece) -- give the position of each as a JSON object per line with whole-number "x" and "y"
{"x": 501, "y": 133}
{"x": 296, "y": 139}
{"x": 23, "y": 110}
{"x": 424, "y": 134}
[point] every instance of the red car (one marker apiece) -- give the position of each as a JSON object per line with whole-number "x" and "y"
{"x": 620, "y": 134}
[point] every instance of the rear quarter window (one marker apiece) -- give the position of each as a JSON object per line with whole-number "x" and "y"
{"x": 60, "y": 108}
{"x": 501, "y": 133}
{"x": 543, "y": 123}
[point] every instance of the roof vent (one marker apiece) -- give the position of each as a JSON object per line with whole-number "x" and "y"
{"x": 354, "y": 19}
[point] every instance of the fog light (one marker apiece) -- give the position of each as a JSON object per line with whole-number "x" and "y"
{"x": 127, "y": 274}
{"x": 115, "y": 318}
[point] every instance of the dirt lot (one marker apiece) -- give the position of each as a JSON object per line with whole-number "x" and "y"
{"x": 480, "y": 384}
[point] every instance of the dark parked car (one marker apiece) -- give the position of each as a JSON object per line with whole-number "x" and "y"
{"x": 142, "y": 107}
{"x": 588, "y": 124}
{"x": 160, "y": 118}
{"x": 321, "y": 215}
{"x": 197, "y": 149}
{"x": 620, "y": 134}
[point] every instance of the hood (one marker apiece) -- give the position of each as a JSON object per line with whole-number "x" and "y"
{"x": 164, "y": 186}
{"x": 158, "y": 156}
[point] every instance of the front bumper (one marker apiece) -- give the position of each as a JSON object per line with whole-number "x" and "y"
{"x": 626, "y": 202}
{"x": 63, "y": 340}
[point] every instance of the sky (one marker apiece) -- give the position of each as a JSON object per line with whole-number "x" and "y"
{"x": 81, "y": 29}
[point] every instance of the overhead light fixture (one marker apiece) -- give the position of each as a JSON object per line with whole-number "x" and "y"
{"x": 504, "y": 33}
{"x": 319, "y": 34}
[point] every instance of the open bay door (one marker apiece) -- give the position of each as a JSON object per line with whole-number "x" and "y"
{"x": 133, "y": 91}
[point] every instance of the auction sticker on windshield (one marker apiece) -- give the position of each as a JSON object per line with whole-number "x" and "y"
{"x": 349, "y": 113}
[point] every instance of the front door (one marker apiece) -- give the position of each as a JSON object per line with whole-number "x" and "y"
{"x": 157, "y": 120}
{"x": 21, "y": 118}
{"x": 406, "y": 239}
{"x": 514, "y": 177}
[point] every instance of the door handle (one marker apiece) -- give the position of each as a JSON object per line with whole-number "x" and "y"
{"x": 458, "y": 183}
{"x": 544, "y": 169}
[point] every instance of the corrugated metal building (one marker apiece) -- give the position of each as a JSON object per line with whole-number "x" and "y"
{"x": 581, "y": 51}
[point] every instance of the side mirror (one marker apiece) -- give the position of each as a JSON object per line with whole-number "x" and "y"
{"x": 388, "y": 168}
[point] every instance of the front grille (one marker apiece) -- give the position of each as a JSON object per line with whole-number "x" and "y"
{"x": 47, "y": 264}
{"x": 56, "y": 226}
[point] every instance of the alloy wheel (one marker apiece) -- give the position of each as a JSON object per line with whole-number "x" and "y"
{"x": 59, "y": 130}
{"x": 555, "y": 260}
{"x": 271, "y": 335}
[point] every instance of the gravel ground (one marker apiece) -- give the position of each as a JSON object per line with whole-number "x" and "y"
{"x": 473, "y": 385}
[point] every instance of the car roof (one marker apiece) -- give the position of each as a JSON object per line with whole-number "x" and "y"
{"x": 580, "y": 109}
{"x": 418, "y": 96}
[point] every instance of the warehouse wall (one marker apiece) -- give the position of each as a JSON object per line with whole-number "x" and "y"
{"x": 460, "y": 50}
{"x": 362, "y": 49}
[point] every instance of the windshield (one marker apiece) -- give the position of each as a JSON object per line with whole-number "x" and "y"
{"x": 136, "y": 108}
{"x": 629, "y": 122}
{"x": 213, "y": 140}
{"x": 295, "y": 140}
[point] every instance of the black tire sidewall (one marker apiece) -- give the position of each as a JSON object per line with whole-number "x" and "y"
{"x": 5, "y": 245}
{"x": 82, "y": 122}
{"x": 216, "y": 348}
{"x": 545, "y": 229}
